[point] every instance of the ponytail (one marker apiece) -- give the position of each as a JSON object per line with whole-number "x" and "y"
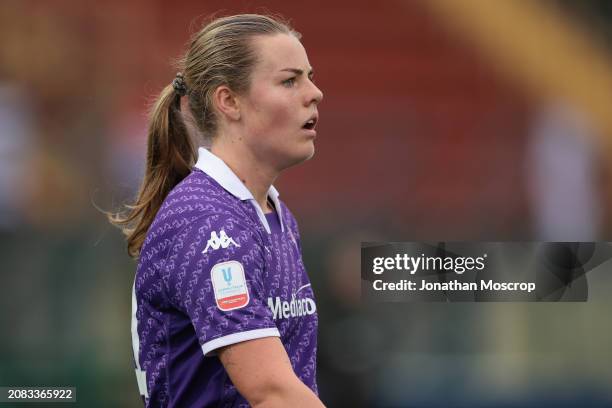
{"x": 170, "y": 157}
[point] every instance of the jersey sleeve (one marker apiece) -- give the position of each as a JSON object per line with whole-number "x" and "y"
{"x": 215, "y": 276}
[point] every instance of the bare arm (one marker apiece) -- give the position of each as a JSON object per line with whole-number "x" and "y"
{"x": 261, "y": 371}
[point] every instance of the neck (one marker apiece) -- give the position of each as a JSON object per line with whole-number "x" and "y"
{"x": 252, "y": 172}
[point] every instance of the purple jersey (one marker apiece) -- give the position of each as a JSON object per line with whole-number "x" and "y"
{"x": 215, "y": 270}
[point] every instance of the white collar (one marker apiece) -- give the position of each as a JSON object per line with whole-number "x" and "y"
{"x": 222, "y": 174}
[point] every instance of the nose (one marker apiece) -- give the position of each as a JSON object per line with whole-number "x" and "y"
{"x": 314, "y": 94}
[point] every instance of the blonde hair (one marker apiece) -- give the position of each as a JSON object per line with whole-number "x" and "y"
{"x": 219, "y": 54}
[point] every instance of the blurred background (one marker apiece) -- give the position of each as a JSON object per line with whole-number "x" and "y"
{"x": 442, "y": 120}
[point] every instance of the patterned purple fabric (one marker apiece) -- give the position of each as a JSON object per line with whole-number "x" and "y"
{"x": 210, "y": 274}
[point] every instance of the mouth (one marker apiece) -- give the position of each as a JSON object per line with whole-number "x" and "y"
{"x": 311, "y": 123}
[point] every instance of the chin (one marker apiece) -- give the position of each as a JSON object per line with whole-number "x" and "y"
{"x": 311, "y": 152}
{"x": 308, "y": 152}
{"x": 300, "y": 156}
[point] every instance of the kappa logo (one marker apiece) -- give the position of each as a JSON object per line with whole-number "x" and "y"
{"x": 219, "y": 241}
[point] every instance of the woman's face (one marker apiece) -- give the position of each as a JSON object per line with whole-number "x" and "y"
{"x": 281, "y": 100}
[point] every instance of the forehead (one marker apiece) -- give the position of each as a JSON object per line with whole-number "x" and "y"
{"x": 278, "y": 51}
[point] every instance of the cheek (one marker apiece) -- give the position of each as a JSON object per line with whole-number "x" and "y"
{"x": 272, "y": 111}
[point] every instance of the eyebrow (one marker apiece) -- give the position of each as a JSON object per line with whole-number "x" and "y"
{"x": 298, "y": 71}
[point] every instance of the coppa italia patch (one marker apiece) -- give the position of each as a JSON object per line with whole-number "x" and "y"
{"x": 229, "y": 284}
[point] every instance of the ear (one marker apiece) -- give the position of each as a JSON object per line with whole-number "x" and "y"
{"x": 226, "y": 102}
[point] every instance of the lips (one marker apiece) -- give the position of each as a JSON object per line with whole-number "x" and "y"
{"x": 311, "y": 122}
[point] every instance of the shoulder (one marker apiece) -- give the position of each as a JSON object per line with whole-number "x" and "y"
{"x": 197, "y": 197}
{"x": 197, "y": 205}
{"x": 200, "y": 194}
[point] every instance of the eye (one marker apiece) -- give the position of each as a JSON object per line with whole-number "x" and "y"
{"x": 289, "y": 82}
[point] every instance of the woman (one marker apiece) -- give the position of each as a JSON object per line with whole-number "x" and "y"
{"x": 222, "y": 311}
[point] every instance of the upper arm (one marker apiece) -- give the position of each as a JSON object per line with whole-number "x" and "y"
{"x": 214, "y": 276}
{"x": 261, "y": 371}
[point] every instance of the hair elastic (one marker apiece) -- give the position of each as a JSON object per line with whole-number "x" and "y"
{"x": 179, "y": 84}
